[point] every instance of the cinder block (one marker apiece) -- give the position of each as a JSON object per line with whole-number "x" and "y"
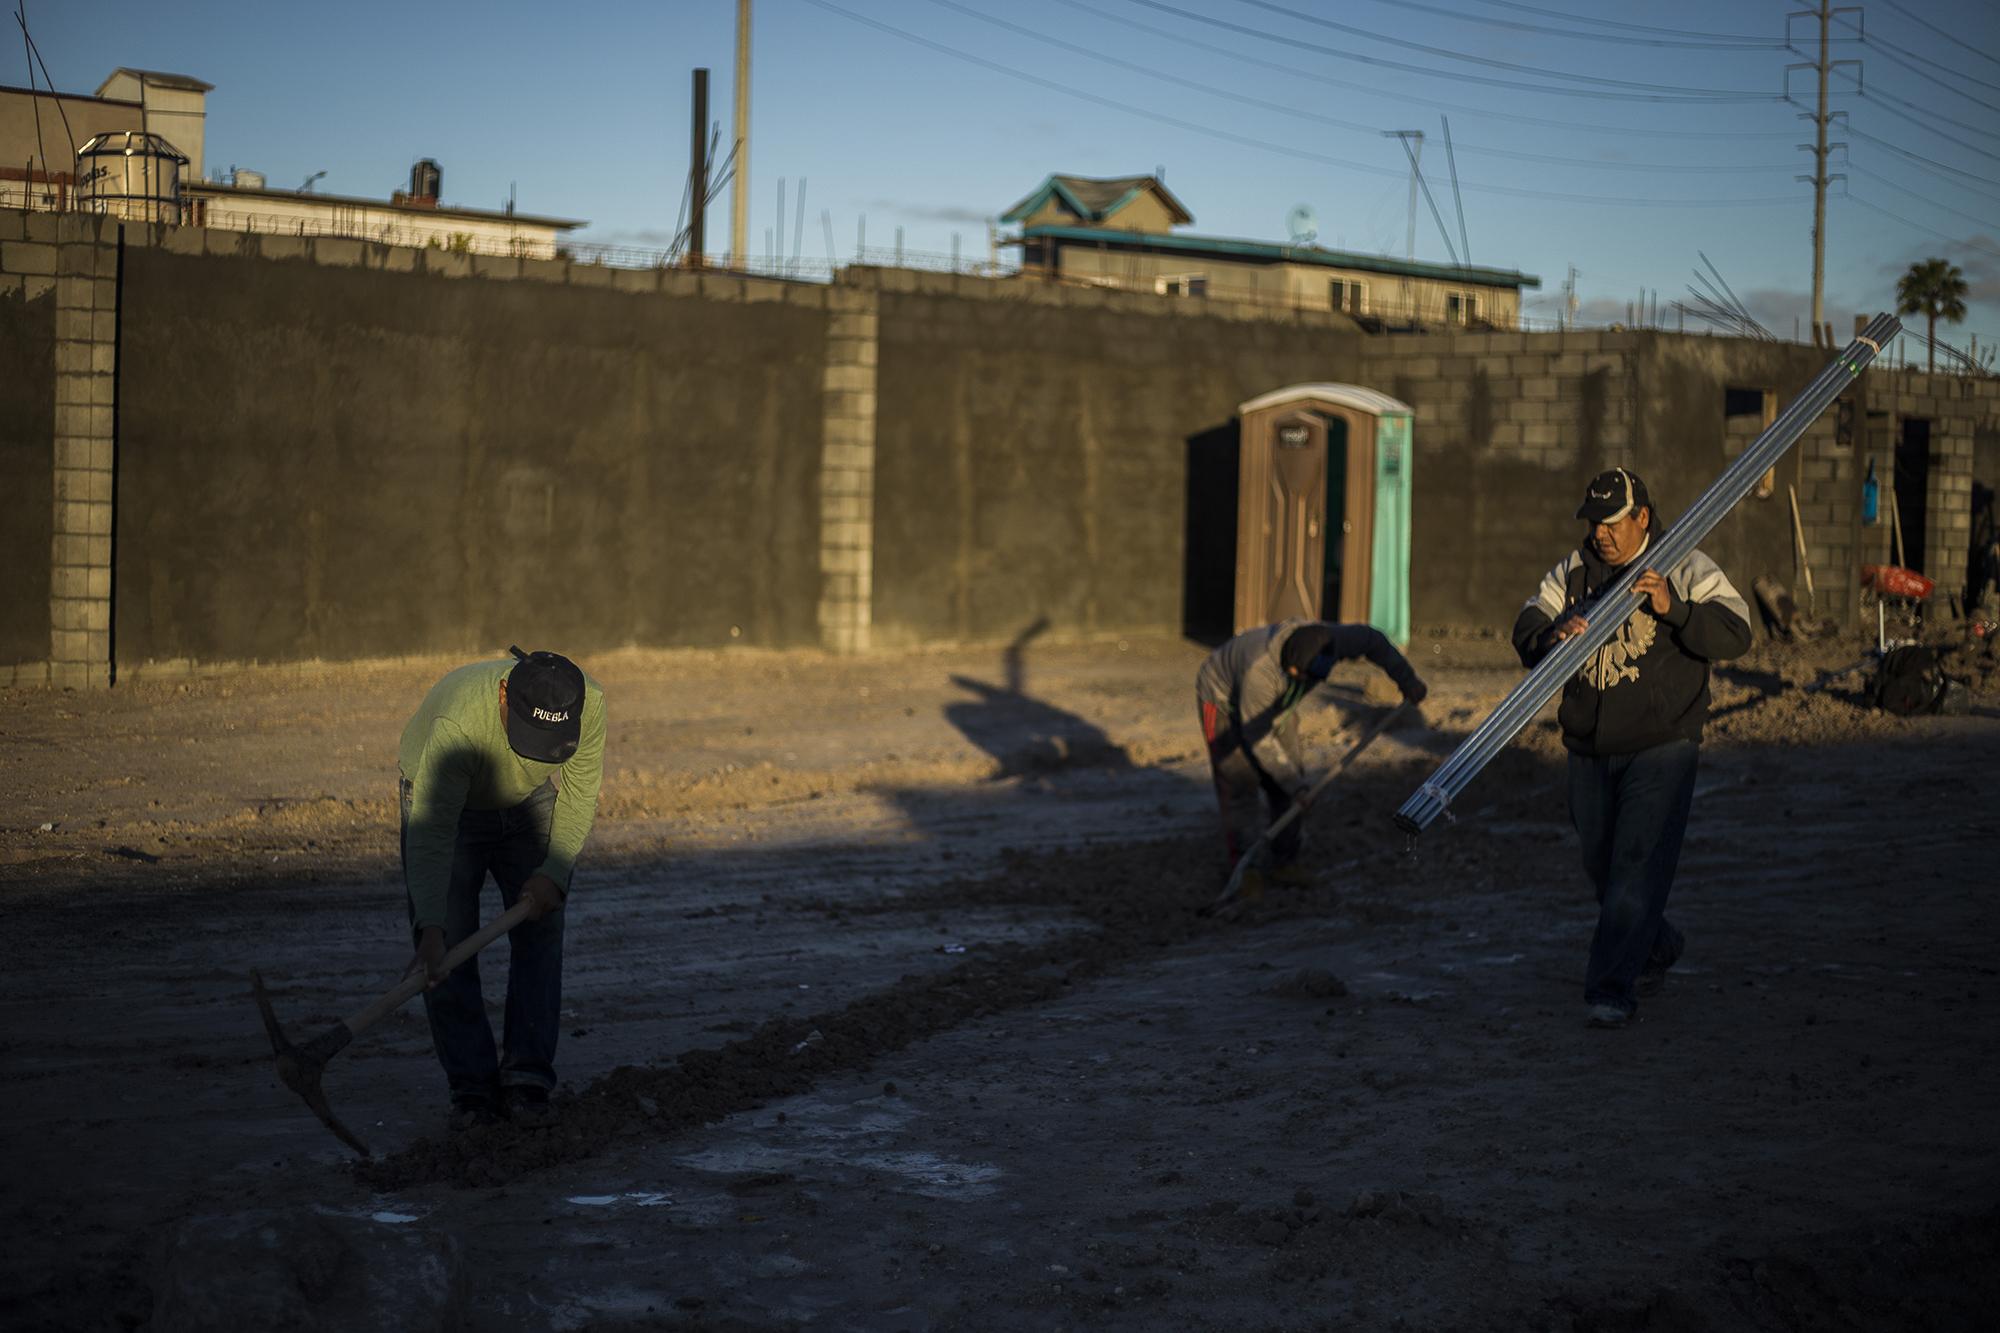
{"x": 103, "y": 358}
{"x": 445, "y": 264}
{"x": 68, "y": 581}
{"x": 216, "y": 241}
{"x": 1529, "y": 410}
{"x": 12, "y": 225}
{"x": 12, "y": 285}
{"x": 861, "y": 326}
{"x": 31, "y": 673}
{"x": 104, "y": 326}
{"x": 1539, "y": 435}
{"x": 756, "y": 290}
{"x": 97, "y": 643}
{"x": 842, "y": 482}
{"x": 848, "y": 457}
{"x": 284, "y": 247}
{"x": 644, "y": 280}
{"x": 846, "y": 508}
{"x": 98, "y": 519}
{"x": 43, "y": 228}
{"x": 72, "y": 517}
{"x": 396, "y": 258}
{"x": 336, "y": 251}
{"x": 496, "y": 266}
{"x": 850, "y": 404}
{"x": 544, "y": 270}
{"x": 69, "y": 647}
{"x": 843, "y": 560}
{"x": 76, "y": 261}
{"x": 68, "y": 613}
{"x": 859, "y": 378}
{"x": 1544, "y": 388}
{"x": 97, "y": 549}
{"x": 103, "y": 389}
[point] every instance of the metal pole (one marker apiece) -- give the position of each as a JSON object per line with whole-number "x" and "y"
{"x": 739, "y": 190}
{"x": 698, "y": 172}
{"x": 1819, "y": 180}
{"x": 1737, "y": 480}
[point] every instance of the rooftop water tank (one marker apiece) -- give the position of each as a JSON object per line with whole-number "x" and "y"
{"x": 130, "y": 174}
{"x": 426, "y": 179}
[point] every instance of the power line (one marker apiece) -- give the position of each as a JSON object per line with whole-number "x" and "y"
{"x": 1269, "y": 146}
{"x": 1608, "y": 23}
{"x": 1696, "y": 40}
{"x": 1945, "y": 235}
{"x": 1956, "y": 41}
{"x": 1919, "y": 157}
{"x": 1922, "y": 110}
{"x": 1883, "y": 49}
{"x": 1917, "y": 121}
{"x": 1895, "y": 185}
{"x": 1663, "y": 93}
{"x": 1284, "y": 109}
{"x": 1330, "y": 81}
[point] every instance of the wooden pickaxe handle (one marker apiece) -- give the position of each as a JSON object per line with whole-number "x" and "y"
{"x": 402, "y": 992}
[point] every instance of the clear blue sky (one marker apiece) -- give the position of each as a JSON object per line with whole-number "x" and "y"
{"x": 1602, "y": 144}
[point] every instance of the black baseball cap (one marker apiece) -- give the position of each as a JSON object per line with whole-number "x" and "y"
{"x": 544, "y": 706}
{"x": 1612, "y": 495}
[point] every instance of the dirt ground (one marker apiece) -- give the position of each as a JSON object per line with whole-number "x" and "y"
{"x": 887, "y": 1007}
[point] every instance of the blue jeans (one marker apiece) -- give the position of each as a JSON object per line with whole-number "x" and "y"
{"x": 1631, "y": 812}
{"x": 510, "y": 844}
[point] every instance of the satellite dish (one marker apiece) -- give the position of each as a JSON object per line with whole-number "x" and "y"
{"x": 1302, "y": 224}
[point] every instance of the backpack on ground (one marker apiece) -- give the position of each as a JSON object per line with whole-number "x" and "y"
{"x": 1910, "y": 681}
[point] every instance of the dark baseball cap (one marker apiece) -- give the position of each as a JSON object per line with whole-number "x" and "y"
{"x": 1612, "y": 495}
{"x": 544, "y": 706}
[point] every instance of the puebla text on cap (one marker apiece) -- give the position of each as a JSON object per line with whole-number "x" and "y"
{"x": 544, "y": 706}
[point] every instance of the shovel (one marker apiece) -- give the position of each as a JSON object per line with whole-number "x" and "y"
{"x": 1282, "y": 822}
{"x": 300, "y": 1067}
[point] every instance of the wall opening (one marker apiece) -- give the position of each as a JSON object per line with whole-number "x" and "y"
{"x": 1746, "y": 413}
{"x": 1913, "y": 483}
{"x": 1208, "y": 560}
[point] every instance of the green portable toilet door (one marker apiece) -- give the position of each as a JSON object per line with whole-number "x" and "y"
{"x": 1389, "y": 586}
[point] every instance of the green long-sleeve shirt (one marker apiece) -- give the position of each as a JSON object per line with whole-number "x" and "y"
{"x": 455, "y": 756}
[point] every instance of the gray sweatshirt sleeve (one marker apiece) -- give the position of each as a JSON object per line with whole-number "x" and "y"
{"x": 1709, "y": 617}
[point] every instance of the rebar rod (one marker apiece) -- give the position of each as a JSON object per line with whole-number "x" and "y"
{"x": 1436, "y": 794}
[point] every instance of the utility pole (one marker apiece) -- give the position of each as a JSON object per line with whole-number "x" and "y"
{"x": 1819, "y": 148}
{"x": 697, "y": 174}
{"x": 739, "y": 192}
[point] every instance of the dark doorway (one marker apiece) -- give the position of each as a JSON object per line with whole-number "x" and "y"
{"x": 1208, "y": 573}
{"x": 1336, "y": 516}
{"x": 1913, "y": 476}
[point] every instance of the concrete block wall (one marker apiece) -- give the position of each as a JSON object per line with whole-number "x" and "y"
{"x": 28, "y": 262}
{"x": 86, "y": 442}
{"x": 847, "y": 471}
{"x": 1962, "y": 412}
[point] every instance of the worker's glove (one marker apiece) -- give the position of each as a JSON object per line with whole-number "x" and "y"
{"x": 1416, "y": 691}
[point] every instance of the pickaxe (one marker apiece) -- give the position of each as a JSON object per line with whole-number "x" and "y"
{"x": 300, "y": 1067}
{"x": 1278, "y": 825}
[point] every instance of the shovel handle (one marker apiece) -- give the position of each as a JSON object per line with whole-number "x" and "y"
{"x": 400, "y": 994}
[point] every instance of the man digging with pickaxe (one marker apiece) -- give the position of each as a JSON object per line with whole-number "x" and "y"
{"x": 500, "y": 773}
{"x": 1248, "y": 692}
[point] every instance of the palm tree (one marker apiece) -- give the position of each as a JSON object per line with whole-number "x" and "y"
{"x": 1935, "y": 289}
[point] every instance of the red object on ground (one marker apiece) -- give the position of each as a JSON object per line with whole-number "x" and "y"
{"x": 1895, "y": 581}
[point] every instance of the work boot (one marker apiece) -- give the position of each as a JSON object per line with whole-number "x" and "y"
{"x": 527, "y": 1104}
{"x": 1608, "y": 1016}
{"x": 470, "y": 1110}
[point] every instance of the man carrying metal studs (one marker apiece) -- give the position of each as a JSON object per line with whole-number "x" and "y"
{"x": 1632, "y": 720}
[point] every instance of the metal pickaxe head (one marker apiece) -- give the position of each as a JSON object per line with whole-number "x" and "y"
{"x": 300, "y": 1067}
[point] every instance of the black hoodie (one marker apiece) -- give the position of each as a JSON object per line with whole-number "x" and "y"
{"x": 1649, "y": 684}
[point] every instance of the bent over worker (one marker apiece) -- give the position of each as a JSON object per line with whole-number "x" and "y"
{"x": 1248, "y": 693}
{"x": 500, "y": 773}
{"x": 1632, "y": 719}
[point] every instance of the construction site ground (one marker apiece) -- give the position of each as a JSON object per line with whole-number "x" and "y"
{"x": 887, "y": 1006}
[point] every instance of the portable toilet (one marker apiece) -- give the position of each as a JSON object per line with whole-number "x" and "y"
{"x": 1323, "y": 508}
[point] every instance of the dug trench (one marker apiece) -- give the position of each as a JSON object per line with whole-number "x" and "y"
{"x": 1131, "y": 899}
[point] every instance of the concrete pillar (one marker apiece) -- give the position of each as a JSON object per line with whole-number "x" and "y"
{"x": 86, "y": 361}
{"x": 847, "y": 472}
